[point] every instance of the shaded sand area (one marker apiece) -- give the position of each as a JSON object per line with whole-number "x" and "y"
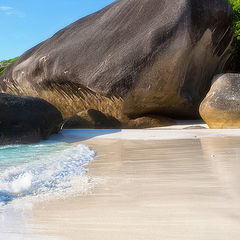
{"x": 183, "y": 188}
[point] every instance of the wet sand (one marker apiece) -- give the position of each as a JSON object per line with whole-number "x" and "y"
{"x": 164, "y": 189}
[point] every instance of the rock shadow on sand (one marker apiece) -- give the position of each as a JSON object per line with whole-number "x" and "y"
{"x": 78, "y": 135}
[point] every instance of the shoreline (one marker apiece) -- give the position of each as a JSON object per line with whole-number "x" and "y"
{"x": 151, "y": 189}
{"x": 77, "y": 135}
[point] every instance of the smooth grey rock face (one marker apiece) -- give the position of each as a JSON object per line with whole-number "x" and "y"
{"x": 159, "y": 55}
{"x": 26, "y": 119}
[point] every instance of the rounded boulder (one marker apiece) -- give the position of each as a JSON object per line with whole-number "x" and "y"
{"x": 27, "y": 119}
{"x": 221, "y": 106}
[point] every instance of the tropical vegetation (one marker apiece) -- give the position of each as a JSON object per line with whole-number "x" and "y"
{"x": 5, "y": 63}
{"x": 236, "y": 28}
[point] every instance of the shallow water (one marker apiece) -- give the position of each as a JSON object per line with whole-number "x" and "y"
{"x": 38, "y": 169}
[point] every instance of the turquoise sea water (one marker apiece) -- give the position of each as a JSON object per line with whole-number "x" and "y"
{"x": 47, "y": 167}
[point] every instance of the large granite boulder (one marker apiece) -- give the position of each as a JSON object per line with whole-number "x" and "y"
{"x": 221, "y": 107}
{"x": 26, "y": 119}
{"x": 159, "y": 55}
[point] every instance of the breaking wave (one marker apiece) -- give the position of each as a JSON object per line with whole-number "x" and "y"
{"x": 33, "y": 170}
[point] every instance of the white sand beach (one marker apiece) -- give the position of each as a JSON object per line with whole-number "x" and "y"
{"x": 120, "y": 64}
{"x": 169, "y": 184}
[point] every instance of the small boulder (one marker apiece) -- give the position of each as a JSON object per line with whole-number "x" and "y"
{"x": 26, "y": 119}
{"x": 221, "y": 106}
{"x": 91, "y": 119}
{"x": 150, "y": 121}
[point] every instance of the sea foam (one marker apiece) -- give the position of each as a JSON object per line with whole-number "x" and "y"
{"x": 43, "y": 173}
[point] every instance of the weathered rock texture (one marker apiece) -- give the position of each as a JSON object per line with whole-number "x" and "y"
{"x": 221, "y": 107}
{"x": 150, "y": 121}
{"x": 27, "y": 119}
{"x": 91, "y": 119}
{"x": 159, "y": 55}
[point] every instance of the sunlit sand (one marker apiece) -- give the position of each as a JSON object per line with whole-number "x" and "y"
{"x": 157, "y": 189}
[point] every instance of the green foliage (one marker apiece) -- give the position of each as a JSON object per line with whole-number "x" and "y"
{"x": 235, "y": 50}
{"x": 236, "y": 18}
{"x": 10, "y": 60}
{"x": 4, "y": 67}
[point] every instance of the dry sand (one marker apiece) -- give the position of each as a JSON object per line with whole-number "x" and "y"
{"x": 186, "y": 188}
